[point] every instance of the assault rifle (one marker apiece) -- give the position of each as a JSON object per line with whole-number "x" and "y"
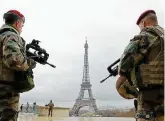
{"x": 40, "y": 55}
{"x": 113, "y": 71}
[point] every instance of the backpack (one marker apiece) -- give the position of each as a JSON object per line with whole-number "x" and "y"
{"x": 23, "y": 80}
{"x": 152, "y": 73}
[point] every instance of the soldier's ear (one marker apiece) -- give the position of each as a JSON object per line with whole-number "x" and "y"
{"x": 144, "y": 23}
{"x": 17, "y": 23}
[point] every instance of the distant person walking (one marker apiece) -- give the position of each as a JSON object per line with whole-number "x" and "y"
{"x": 27, "y": 107}
{"x": 51, "y": 106}
{"x": 21, "y": 108}
{"x": 35, "y": 108}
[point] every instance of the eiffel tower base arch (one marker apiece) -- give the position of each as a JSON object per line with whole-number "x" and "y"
{"x": 82, "y": 103}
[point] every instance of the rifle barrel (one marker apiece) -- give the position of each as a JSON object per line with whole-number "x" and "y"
{"x": 105, "y": 78}
{"x": 51, "y": 65}
{"x": 111, "y": 71}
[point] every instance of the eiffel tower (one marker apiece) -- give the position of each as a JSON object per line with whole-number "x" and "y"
{"x": 81, "y": 101}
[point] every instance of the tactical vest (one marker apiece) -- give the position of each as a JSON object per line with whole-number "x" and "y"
{"x": 151, "y": 72}
{"x": 7, "y": 74}
{"x": 21, "y": 81}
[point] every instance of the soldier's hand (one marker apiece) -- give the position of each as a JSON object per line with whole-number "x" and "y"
{"x": 31, "y": 63}
{"x": 120, "y": 81}
{"x": 124, "y": 89}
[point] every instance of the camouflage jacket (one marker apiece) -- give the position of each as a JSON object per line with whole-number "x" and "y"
{"x": 51, "y": 105}
{"x": 12, "y": 51}
{"x": 136, "y": 52}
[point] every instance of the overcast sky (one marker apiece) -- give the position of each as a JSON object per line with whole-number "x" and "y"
{"x": 62, "y": 26}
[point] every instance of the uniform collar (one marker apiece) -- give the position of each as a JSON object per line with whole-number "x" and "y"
{"x": 5, "y": 26}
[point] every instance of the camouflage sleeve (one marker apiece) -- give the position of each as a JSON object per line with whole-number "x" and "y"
{"x": 133, "y": 54}
{"x": 14, "y": 58}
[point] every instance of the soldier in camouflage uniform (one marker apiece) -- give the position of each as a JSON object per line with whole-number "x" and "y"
{"x": 51, "y": 106}
{"x": 12, "y": 58}
{"x": 141, "y": 69}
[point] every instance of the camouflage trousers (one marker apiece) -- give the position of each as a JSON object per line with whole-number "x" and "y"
{"x": 149, "y": 109}
{"x": 50, "y": 113}
{"x": 8, "y": 103}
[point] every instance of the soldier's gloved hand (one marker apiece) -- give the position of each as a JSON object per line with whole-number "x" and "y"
{"x": 31, "y": 63}
{"x": 125, "y": 89}
{"x": 120, "y": 81}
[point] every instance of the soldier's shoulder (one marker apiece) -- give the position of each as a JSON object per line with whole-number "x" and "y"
{"x": 139, "y": 37}
{"x": 11, "y": 37}
{"x": 152, "y": 30}
{"x": 9, "y": 33}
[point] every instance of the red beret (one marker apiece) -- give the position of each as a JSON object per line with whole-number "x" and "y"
{"x": 143, "y": 15}
{"x": 17, "y": 13}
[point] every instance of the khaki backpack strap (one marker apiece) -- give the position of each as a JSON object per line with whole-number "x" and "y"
{"x": 160, "y": 32}
{"x": 156, "y": 30}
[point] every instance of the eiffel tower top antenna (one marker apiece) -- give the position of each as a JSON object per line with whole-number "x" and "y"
{"x": 86, "y": 44}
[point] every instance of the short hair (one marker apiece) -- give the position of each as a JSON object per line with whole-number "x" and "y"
{"x": 10, "y": 18}
{"x": 151, "y": 17}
